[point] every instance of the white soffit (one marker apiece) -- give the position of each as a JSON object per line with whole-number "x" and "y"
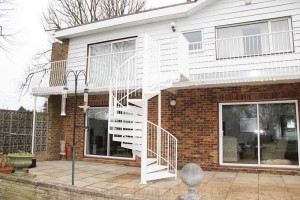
{"x": 156, "y": 15}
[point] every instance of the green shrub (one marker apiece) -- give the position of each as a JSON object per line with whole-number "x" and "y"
{"x": 21, "y": 153}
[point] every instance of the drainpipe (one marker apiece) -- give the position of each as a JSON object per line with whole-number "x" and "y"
{"x": 33, "y": 125}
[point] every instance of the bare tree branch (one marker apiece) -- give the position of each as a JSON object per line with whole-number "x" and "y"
{"x": 65, "y": 13}
{"x": 6, "y": 35}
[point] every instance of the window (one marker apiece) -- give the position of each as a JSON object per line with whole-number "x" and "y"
{"x": 259, "y": 133}
{"x": 194, "y": 39}
{"x": 273, "y": 36}
{"x": 97, "y": 141}
{"x": 112, "y": 47}
{"x": 105, "y": 57}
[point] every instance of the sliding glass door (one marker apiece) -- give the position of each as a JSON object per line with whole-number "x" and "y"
{"x": 98, "y": 142}
{"x": 240, "y": 134}
{"x": 259, "y": 133}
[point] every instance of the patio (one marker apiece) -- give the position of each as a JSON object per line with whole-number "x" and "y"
{"x": 125, "y": 180}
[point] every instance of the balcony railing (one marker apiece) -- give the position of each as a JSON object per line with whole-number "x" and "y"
{"x": 52, "y": 79}
{"x": 255, "y": 45}
{"x": 262, "y": 57}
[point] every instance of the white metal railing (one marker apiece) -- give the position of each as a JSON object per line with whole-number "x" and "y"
{"x": 163, "y": 146}
{"x": 255, "y": 45}
{"x": 130, "y": 78}
{"x": 262, "y": 57}
{"x": 124, "y": 82}
{"x": 51, "y": 76}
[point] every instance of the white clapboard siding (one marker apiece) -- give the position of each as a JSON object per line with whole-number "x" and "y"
{"x": 218, "y": 13}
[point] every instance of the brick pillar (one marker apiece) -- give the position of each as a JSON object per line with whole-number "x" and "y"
{"x": 54, "y": 128}
{"x": 59, "y": 52}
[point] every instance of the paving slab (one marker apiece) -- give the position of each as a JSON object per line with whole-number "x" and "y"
{"x": 126, "y": 180}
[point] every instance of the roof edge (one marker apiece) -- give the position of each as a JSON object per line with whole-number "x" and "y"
{"x": 148, "y": 16}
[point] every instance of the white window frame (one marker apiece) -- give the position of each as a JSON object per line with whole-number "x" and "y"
{"x": 202, "y": 44}
{"x": 108, "y": 144}
{"x": 269, "y": 22}
{"x": 89, "y": 46}
{"x": 221, "y": 163}
{"x": 111, "y": 43}
{"x": 290, "y": 34}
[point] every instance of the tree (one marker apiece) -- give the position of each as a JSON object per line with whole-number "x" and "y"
{"x": 64, "y": 13}
{"x": 5, "y": 33}
{"x": 113, "y": 8}
{"x": 22, "y": 109}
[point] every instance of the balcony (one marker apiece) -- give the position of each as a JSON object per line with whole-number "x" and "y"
{"x": 252, "y": 58}
{"x": 52, "y": 79}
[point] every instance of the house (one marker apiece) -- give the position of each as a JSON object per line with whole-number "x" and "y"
{"x": 214, "y": 82}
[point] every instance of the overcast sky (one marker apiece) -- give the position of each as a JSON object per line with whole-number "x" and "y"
{"x": 26, "y": 22}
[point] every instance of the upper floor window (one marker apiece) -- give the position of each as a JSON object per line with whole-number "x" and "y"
{"x": 194, "y": 39}
{"x": 106, "y": 57}
{"x": 115, "y": 47}
{"x": 266, "y": 37}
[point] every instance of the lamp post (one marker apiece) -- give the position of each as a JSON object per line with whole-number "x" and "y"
{"x": 76, "y": 75}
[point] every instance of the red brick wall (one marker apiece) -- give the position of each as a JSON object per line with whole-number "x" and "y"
{"x": 94, "y": 101}
{"x": 54, "y": 128}
{"x": 194, "y": 121}
{"x": 60, "y": 51}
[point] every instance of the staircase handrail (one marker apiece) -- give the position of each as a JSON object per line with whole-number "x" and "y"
{"x": 168, "y": 160}
{"x": 138, "y": 54}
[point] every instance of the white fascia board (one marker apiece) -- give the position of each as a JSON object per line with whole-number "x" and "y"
{"x": 168, "y": 13}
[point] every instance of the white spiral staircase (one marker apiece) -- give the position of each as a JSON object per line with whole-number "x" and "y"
{"x": 132, "y": 85}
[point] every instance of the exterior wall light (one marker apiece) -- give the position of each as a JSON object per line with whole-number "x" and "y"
{"x": 247, "y": 2}
{"x": 173, "y": 102}
{"x": 173, "y": 24}
{"x": 63, "y": 101}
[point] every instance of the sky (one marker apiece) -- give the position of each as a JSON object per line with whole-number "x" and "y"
{"x": 26, "y": 23}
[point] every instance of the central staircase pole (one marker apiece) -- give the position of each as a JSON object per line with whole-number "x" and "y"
{"x": 146, "y": 40}
{"x": 159, "y": 130}
{"x": 144, "y": 144}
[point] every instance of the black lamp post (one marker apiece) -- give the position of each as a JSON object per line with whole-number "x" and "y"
{"x": 76, "y": 75}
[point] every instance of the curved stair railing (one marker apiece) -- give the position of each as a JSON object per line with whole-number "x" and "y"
{"x": 166, "y": 150}
{"x": 132, "y": 84}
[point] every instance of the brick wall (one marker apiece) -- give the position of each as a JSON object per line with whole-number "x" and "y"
{"x": 60, "y": 51}
{"x": 54, "y": 128}
{"x": 194, "y": 121}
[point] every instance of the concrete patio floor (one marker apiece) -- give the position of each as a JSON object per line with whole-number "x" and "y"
{"x": 125, "y": 180}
